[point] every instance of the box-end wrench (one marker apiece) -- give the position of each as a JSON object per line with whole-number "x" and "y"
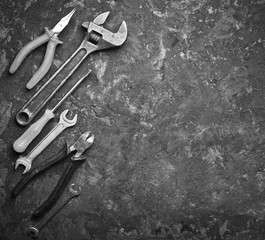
{"x": 62, "y": 124}
{"x": 33, "y": 131}
{"x": 34, "y": 230}
{"x": 97, "y": 38}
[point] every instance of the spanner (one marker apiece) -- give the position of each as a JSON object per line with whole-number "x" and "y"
{"x": 33, "y": 131}
{"x": 62, "y": 124}
{"x": 97, "y": 38}
{"x": 34, "y": 231}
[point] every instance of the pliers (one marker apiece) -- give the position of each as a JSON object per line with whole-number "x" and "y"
{"x": 50, "y": 36}
{"x": 74, "y": 153}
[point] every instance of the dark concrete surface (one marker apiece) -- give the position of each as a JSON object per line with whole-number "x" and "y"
{"x": 178, "y": 116}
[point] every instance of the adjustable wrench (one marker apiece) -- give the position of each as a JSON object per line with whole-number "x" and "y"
{"x": 34, "y": 231}
{"x": 97, "y": 38}
{"x": 62, "y": 124}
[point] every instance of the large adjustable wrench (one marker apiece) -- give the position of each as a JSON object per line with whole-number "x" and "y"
{"x": 97, "y": 38}
{"x": 62, "y": 124}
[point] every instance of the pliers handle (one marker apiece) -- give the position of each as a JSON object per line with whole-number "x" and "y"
{"x": 50, "y": 36}
{"x": 70, "y": 168}
{"x": 74, "y": 154}
{"x": 58, "y": 190}
{"x": 55, "y": 159}
{"x": 53, "y": 41}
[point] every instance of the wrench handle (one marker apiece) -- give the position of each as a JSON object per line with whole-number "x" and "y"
{"x": 32, "y": 132}
{"x": 57, "y": 158}
{"x": 46, "y": 92}
{"x": 46, "y": 141}
{"x": 58, "y": 190}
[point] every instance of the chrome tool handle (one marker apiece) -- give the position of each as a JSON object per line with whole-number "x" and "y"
{"x": 47, "y": 91}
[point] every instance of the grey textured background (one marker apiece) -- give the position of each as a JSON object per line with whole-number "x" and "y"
{"x": 177, "y": 113}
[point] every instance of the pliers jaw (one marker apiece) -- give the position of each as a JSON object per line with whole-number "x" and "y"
{"x": 62, "y": 23}
{"x": 83, "y": 143}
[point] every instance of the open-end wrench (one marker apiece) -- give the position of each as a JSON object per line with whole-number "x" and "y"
{"x": 34, "y": 230}
{"x": 85, "y": 140}
{"x": 97, "y": 38}
{"x": 33, "y": 131}
{"x": 62, "y": 124}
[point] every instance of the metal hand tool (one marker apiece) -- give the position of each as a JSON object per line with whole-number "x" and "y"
{"x": 62, "y": 124}
{"x": 75, "y": 160}
{"x": 63, "y": 154}
{"x": 34, "y": 231}
{"x": 50, "y": 36}
{"x": 32, "y": 132}
{"x": 97, "y": 38}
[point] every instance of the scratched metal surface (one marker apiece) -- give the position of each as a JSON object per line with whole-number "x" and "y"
{"x": 177, "y": 113}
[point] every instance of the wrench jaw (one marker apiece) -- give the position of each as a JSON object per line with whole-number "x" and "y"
{"x": 101, "y": 18}
{"x": 102, "y": 38}
{"x": 121, "y": 35}
{"x": 25, "y": 161}
{"x": 73, "y": 191}
{"x": 63, "y": 123}
{"x": 33, "y": 232}
{"x": 63, "y": 117}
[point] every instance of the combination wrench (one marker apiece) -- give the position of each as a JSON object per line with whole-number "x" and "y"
{"x": 32, "y": 132}
{"x": 97, "y": 38}
{"x": 33, "y": 231}
{"x": 62, "y": 125}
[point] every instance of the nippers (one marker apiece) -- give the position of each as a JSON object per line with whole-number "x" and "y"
{"x": 74, "y": 154}
{"x": 50, "y": 36}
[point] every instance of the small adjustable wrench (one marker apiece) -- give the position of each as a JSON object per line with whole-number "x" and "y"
{"x": 34, "y": 231}
{"x": 97, "y": 38}
{"x": 62, "y": 124}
